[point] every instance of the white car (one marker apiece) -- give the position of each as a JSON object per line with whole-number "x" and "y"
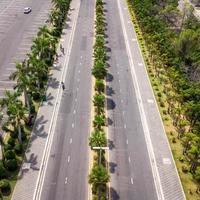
{"x": 27, "y": 10}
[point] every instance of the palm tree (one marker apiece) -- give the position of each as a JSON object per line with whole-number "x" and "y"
{"x": 38, "y": 69}
{"x": 99, "y": 86}
{"x": 23, "y": 83}
{"x": 100, "y": 54}
{"x": 17, "y": 115}
{"x": 99, "y": 71}
{"x": 98, "y": 177}
{"x": 99, "y": 101}
{"x": 97, "y": 139}
{"x": 99, "y": 121}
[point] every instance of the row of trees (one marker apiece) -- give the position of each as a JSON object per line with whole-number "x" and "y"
{"x": 174, "y": 52}
{"x": 31, "y": 78}
{"x": 99, "y": 176}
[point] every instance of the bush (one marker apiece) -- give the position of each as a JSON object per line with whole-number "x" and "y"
{"x": 3, "y": 171}
{"x": 11, "y": 141}
{"x": 185, "y": 169}
{"x": 18, "y": 148}
{"x": 14, "y": 134}
{"x": 7, "y": 147}
{"x": 11, "y": 164}
{"x": 173, "y": 140}
{"x": 5, "y": 186}
{"x": 162, "y": 104}
{"x": 164, "y": 112}
{"x": 159, "y": 94}
{"x": 9, "y": 154}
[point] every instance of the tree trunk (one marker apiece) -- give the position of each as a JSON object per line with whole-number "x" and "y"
{"x": 20, "y": 134}
{"x": 27, "y": 102}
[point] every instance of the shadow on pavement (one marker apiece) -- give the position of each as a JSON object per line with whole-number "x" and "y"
{"x": 110, "y": 104}
{"x": 109, "y": 121}
{"x": 29, "y": 164}
{"x": 53, "y": 82}
{"x": 109, "y": 91}
{"x": 109, "y": 77}
{"x": 111, "y": 144}
{"x": 114, "y": 194}
{"x": 112, "y": 167}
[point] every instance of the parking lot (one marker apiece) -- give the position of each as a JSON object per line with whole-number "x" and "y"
{"x": 17, "y": 31}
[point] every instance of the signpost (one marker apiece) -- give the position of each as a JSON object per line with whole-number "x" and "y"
{"x": 100, "y": 148}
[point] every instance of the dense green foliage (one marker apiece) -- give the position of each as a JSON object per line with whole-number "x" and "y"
{"x": 174, "y": 51}
{"x": 98, "y": 176}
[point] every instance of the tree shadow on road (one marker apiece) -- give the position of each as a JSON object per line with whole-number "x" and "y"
{"x": 110, "y": 104}
{"x": 114, "y": 194}
{"x": 111, "y": 144}
{"x": 109, "y": 77}
{"x": 53, "y": 82}
{"x": 109, "y": 91}
{"x": 112, "y": 167}
{"x": 109, "y": 121}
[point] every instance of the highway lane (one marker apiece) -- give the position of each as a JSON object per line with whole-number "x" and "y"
{"x": 16, "y": 33}
{"x": 131, "y": 175}
{"x": 67, "y": 168}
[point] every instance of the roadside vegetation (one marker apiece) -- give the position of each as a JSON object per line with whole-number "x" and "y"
{"x": 19, "y": 107}
{"x": 99, "y": 176}
{"x": 170, "y": 40}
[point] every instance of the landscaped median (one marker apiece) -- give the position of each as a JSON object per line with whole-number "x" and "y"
{"x": 20, "y": 106}
{"x": 177, "y": 96}
{"x": 99, "y": 176}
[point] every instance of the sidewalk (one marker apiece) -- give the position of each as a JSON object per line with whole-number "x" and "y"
{"x": 32, "y": 171}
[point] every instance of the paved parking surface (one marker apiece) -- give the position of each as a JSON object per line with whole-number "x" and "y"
{"x": 17, "y": 31}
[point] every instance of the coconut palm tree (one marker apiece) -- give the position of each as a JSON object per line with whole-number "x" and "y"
{"x": 99, "y": 86}
{"x": 99, "y": 71}
{"x": 97, "y": 139}
{"x": 99, "y": 177}
{"x": 23, "y": 81}
{"x": 99, "y": 121}
{"x": 17, "y": 115}
{"x": 99, "y": 101}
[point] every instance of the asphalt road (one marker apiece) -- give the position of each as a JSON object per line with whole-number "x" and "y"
{"x": 16, "y": 33}
{"x": 131, "y": 175}
{"x": 67, "y": 168}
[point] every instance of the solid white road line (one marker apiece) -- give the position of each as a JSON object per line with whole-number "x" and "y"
{"x": 70, "y": 140}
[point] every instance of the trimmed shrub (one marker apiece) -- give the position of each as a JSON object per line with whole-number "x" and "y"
{"x": 18, "y": 148}
{"x": 5, "y": 186}
{"x": 3, "y": 171}
{"x": 9, "y": 154}
{"x": 185, "y": 169}
{"x": 7, "y": 147}
{"x": 11, "y": 141}
{"x": 11, "y": 164}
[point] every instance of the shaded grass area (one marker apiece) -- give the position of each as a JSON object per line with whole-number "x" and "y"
{"x": 189, "y": 184}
